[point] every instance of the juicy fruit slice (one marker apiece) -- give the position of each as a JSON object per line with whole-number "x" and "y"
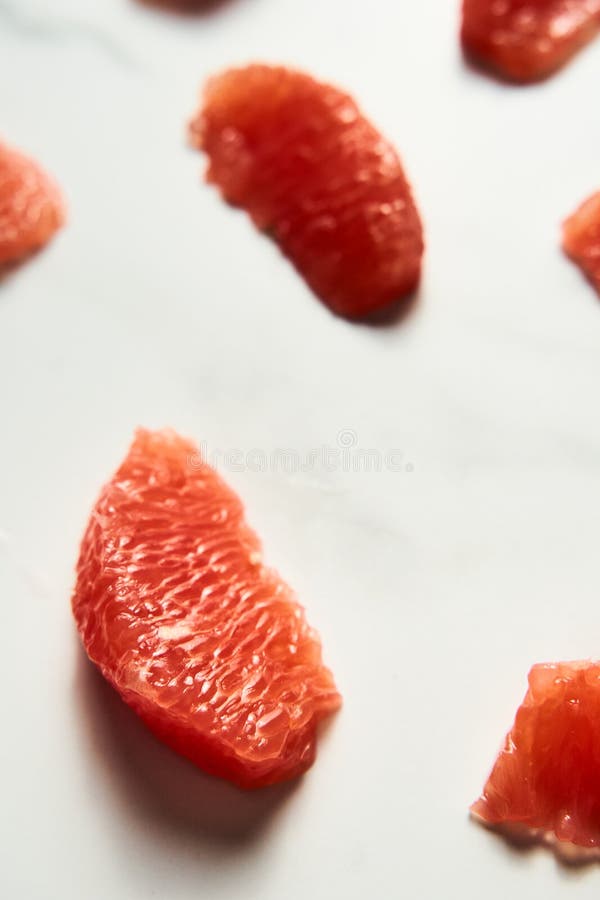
{"x": 31, "y": 208}
{"x": 581, "y": 238}
{"x": 546, "y": 780}
{"x": 174, "y": 606}
{"x": 184, "y": 6}
{"x": 527, "y": 40}
{"x": 300, "y": 157}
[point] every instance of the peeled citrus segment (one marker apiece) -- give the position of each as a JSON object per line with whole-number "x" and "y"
{"x": 310, "y": 170}
{"x": 527, "y": 40}
{"x": 31, "y": 208}
{"x": 175, "y": 607}
{"x": 581, "y": 238}
{"x": 546, "y": 780}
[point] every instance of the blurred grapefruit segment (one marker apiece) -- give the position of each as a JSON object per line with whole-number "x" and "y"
{"x": 311, "y": 171}
{"x": 581, "y": 238}
{"x": 527, "y": 40}
{"x": 175, "y": 607}
{"x": 31, "y": 208}
{"x": 545, "y": 783}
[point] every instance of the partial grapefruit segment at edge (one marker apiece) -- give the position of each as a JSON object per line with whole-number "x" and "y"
{"x": 545, "y": 783}
{"x": 174, "y": 605}
{"x": 581, "y": 238}
{"x": 300, "y": 157}
{"x": 31, "y": 207}
{"x": 527, "y": 40}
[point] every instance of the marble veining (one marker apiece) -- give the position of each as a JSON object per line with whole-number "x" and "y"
{"x": 23, "y": 22}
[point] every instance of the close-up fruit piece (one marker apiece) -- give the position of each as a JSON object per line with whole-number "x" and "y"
{"x": 545, "y": 784}
{"x": 190, "y": 7}
{"x": 31, "y": 208}
{"x": 527, "y": 40}
{"x": 175, "y": 607}
{"x": 581, "y": 238}
{"x": 299, "y": 156}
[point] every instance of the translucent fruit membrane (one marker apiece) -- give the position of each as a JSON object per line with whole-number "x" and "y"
{"x": 545, "y": 783}
{"x": 315, "y": 174}
{"x": 176, "y": 608}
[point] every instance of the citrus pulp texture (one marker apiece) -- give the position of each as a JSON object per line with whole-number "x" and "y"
{"x": 581, "y": 238}
{"x": 301, "y": 158}
{"x": 31, "y": 209}
{"x": 546, "y": 779}
{"x": 527, "y": 40}
{"x": 175, "y": 607}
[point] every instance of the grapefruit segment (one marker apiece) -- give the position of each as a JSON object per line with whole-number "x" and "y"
{"x": 310, "y": 170}
{"x": 205, "y": 643}
{"x": 581, "y": 238}
{"x": 31, "y": 208}
{"x": 527, "y": 40}
{"x": 546, "y": 780}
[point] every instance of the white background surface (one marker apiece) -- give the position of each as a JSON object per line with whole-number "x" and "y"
{"x": 434, "y": 590}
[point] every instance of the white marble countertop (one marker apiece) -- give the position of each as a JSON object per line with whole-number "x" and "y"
{"x": 435, "y": 587}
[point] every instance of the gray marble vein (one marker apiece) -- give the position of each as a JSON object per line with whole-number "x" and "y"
{"x": 25, "y": 23}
